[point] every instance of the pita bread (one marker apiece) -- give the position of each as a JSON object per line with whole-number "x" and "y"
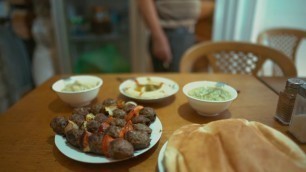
{"x": 232, "y": 145}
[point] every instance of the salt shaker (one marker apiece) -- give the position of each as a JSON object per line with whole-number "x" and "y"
{"x": 297, "y": 125}
{"x": 286, "y": 100}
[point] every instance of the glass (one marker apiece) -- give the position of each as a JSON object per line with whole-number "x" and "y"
{"x": 297, "y": 125}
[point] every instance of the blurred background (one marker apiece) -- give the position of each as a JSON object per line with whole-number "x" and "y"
{"x": 41, "y": 38}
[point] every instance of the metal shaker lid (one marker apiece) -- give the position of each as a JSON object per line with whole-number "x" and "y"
{"x": 294, "y": 83}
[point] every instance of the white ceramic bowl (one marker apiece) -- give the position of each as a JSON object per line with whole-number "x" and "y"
{"x": 206, "y": 107}
{"x": 78, "y": 98}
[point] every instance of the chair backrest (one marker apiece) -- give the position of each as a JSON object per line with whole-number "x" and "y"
{"x": 285, "y": 40}
{"x": 235, "y": 57}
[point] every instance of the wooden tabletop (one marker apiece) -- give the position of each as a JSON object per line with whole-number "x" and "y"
{"x": 27, "y": 141}
{"x": 276, "y": 84}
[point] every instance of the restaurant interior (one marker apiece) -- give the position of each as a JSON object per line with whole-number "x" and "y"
{"x": 43, "y": 42}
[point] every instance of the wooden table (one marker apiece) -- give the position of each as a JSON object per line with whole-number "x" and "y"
{"x": 276, "y": 84}
{"x": 27, "y": 141}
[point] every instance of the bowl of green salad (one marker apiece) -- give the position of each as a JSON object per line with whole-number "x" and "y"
{"x": 209, "y": 98}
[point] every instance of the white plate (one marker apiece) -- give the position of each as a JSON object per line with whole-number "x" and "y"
{"x": 78, "y": 155}
{"x": 161, "y": 157}
{"x": 169, "y": 88}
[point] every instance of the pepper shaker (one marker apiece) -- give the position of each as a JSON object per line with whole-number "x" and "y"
{"x": 286, "y": 100}
{"x": 297, "y": 125}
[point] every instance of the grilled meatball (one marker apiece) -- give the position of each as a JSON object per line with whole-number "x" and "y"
{"x": 141, "y": 119}
{"x": 128, "y": 107}
{"x": 70, "y": 126}
{"x": 81, "y": 110}
{"x": 109, "y": 102}
{"x": 97, "y": 108}
{"x": 120, "y": 149}
{"x": 119, "y": 113}
{"x": 118, "y": 122}
{"x": 101, "y": 117}
{"x": 74, "y": 137}
{"x": 95, "y": 142}
{"x": 138, "y": 139}
{"x": 93, "y": 126}
{"x": 142, "y": 127}
{"x": 149, "y": 113}
{"x": 58, "y": 124}
{"x": 78, "y": 119}
{"x": 113, "y": 131}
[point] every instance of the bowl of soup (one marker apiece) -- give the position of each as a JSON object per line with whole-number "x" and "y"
{"x": 209, "y": 98}
{"x": 78, "y": 90}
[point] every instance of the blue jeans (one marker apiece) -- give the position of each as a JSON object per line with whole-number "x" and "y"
{"x": 180, "y": 39}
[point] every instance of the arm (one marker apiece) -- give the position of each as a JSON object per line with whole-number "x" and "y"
{"x": 161, "y": 47}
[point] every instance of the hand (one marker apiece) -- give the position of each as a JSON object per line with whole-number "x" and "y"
{"x": 161, "y": 48}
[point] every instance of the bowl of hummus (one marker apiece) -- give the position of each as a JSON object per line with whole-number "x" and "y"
{"x": 148, "y": 88}
{"x": 78, "y": 90}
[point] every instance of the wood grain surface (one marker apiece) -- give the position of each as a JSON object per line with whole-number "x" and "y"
{"x": 27, "y": 141}
{"x": 276, "y": 84}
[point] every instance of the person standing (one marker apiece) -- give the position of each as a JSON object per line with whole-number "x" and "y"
{"x": 171, "y": 23}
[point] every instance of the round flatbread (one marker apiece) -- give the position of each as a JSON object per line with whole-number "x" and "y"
{"x": 232, "y": 145}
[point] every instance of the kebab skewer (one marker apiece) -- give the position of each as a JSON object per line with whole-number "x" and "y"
{"x": 113, "y": 128}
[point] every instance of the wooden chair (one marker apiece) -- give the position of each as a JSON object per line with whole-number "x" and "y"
{"x": 235, "y": 58}
{"x": 286, "y": 40}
